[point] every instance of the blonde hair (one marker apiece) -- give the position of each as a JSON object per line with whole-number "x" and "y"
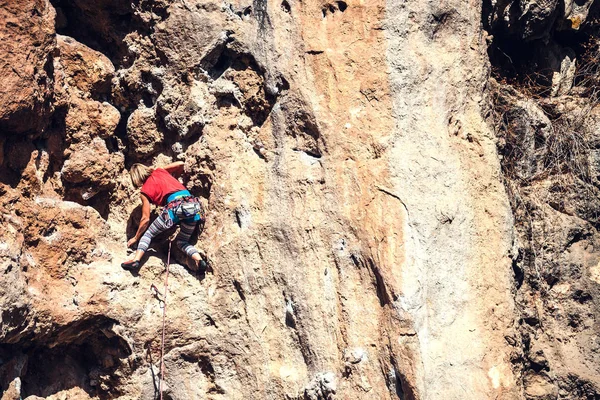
{"x": 139, "y": 173}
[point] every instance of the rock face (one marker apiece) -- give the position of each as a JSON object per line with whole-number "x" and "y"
{"x": 27, "y": 40}
{"x": 535, "y": 19}
{"x": 547, "y": 125}
{"x": 366, "y": 229}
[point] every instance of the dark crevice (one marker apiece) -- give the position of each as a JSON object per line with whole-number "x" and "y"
{"x": 259, "y": 151}
{"x": 86, "y": 195}
{"x": 332, "y": 8}
{"x": 242, "y": 13}
{"x": 121, "y": 133}
{"x": 239, "y": 290}
{"x": 380, "y": 286}
{"x": 577, "y": 236}
{"x": 85, "y": 354}
{"x": 538, "y": 367}
{"x": 148, "y": 99}
{"x": 309, "y": 153}
{"x": 290, "y": 321}
{"x": 529, "y": 62}
{"x": 211, "y": 321}
{"x": 397, "y": 383}
{"x": 581, "y": 296}
{"x": 101, "y": 26}
{"x": 219, "y": 59}
{"x": 227, "y": 100}
{"x": 282, "y": 84}
{"x": 193, "y": 134}
{"x": 17, "y": 153}
{"x": 206, "y": 367}
{"x": 112, "y": 144}
{"x": 518, "y": 271}
{"x": 222, "y": 64}
{"x": 238, "y": 218}
{"x": 254, "y": 98}
{"x": 355, "y": 260}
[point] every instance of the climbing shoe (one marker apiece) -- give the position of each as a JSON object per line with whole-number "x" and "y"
{"x": 202, "y": 266}
{"x": 196, "y": 266}
{"x": 130, "y": 265}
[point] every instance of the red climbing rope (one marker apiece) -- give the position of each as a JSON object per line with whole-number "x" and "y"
{"x": 162, "y": 344}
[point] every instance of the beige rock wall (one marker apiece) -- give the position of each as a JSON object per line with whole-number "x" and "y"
{"x": 444, "y": 167}
{"x": 359, "y": 233}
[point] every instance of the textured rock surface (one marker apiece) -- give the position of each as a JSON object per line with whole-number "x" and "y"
{"x": 548, "y": 135}
{"x": 556, "y": 213}
{"x": 27, "y": 39}
{"x": 362, "y": 241}
{"x": 534, "y": 19}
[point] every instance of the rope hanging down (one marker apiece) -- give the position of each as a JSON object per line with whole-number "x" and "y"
{"x": 162, "y": 344}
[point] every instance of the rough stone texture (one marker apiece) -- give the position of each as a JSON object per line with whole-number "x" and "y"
{"x": 548, "y": 144}
{"x": 84, "y": 77}
{"x": 541, "y": 41}
{"x": 443, "y": 150}
{"x": 90, "y": 163}
{"x": 556, "y": 215}
{"x": 361, "y": 241}
{"x": 14, "y": 391}
{"x": 87, "y": 119}
{"x": 143, "y": 134}
{"x": 534, "y": 19}
{"x": 26, "y": 43}
{"x": 84, "y": 69}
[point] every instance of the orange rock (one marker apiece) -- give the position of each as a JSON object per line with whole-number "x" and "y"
{"x": 82, "y": 69}
{"x": 143, "y": 134}
{"x": 26, "y": 43}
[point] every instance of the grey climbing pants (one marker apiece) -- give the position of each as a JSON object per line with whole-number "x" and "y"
{"x": 182, "y": 240}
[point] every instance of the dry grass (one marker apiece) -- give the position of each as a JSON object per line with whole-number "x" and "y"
{"x": 566, "y": 148}
{"x": 587, "y": 76}
{"x": 559, "y": 163}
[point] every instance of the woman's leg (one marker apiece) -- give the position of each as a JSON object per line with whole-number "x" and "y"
{"x": 159, "y": 225}
{"x": 183, "y": 240}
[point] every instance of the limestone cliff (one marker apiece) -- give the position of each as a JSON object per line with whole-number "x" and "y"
{"x": 384, "y": 221}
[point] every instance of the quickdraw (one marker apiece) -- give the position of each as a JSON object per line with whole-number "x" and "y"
{"x": 157, "y": 295}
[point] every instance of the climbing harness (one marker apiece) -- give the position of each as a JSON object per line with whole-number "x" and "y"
{"x": 183, "y": 208}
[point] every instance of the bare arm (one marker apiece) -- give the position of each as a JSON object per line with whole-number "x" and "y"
{"x": 144, "y": 221}
{"x": 175, "y": 169}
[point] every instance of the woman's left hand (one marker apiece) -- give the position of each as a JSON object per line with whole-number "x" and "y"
{"x": 131, "y": 242}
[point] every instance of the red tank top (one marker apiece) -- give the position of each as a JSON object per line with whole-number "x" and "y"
{"x": 159, "y": 185}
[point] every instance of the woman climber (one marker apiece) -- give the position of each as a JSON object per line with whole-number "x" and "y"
{"x": 159, "y": 187}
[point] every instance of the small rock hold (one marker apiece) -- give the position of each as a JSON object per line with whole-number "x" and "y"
{"x": 322, "y": 387}
{"x": 510, "y": 340}
{"x": 143, "y": 133}
{"x": 177, "y": 148}
{"x": 14, "y": 390}
{"x": 289, "y": 313}
{"x": 355, "y": 356}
